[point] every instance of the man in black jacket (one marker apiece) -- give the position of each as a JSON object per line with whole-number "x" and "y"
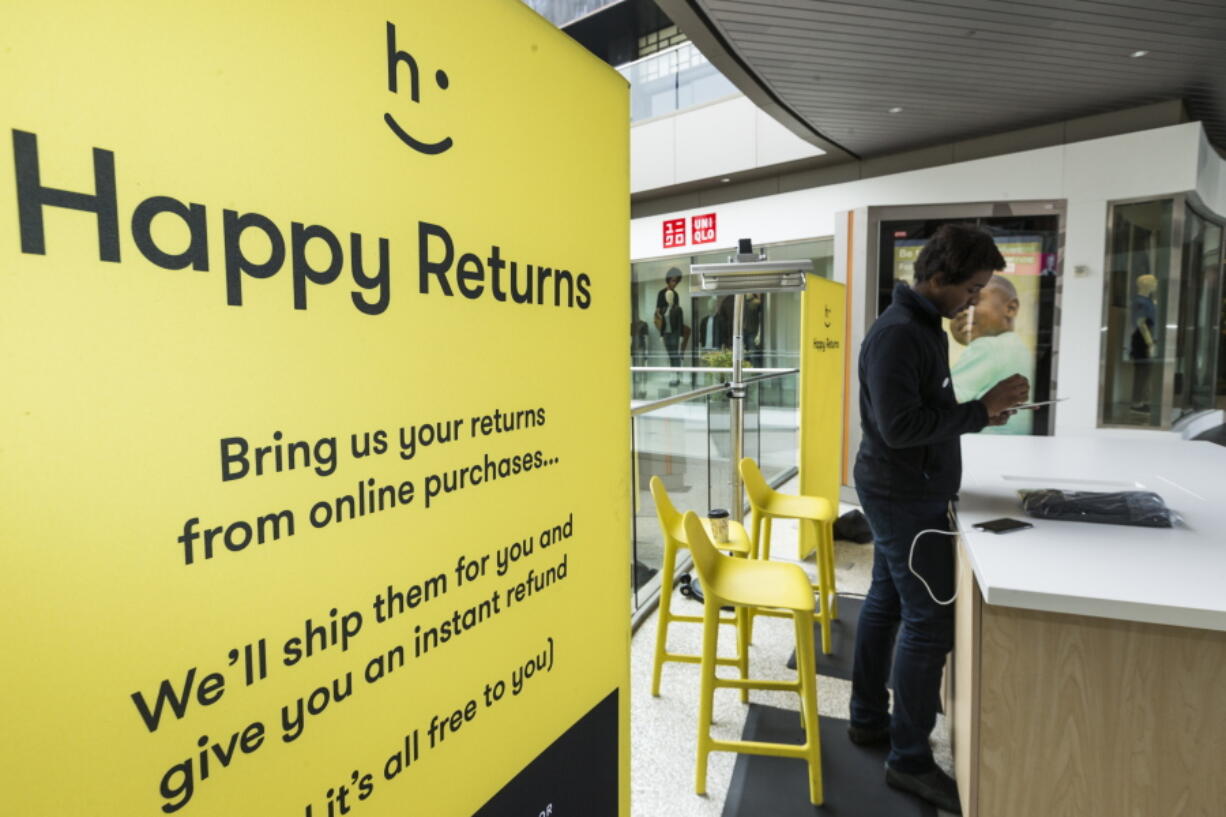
{"x": 908, "y": 473}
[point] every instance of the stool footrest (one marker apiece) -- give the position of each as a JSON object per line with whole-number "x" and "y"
{"x": 776, "y": 613}
{"x": 753, "y": 747}
{"x": 752, "y": 683}
{"x": 682, "y": 658}
{"x": 698, "y": 619}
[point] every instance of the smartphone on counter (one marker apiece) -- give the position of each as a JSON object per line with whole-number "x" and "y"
{"x": 1003, "y": 525}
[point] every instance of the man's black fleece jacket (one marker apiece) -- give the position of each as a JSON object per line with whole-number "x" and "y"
{"x": 911, "y": 419}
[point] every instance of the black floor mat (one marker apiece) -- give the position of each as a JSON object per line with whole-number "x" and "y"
{"x": 842, "y": 641}
{"x": 853, "y": 777}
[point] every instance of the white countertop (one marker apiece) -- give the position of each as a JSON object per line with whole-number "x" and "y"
{"x": 1173, "y": 576}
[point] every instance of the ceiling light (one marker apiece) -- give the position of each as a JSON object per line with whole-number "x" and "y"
{"x": 725, "y": 180}
{"x": 895, "y": 110}
{"x": 1136, "y": 54}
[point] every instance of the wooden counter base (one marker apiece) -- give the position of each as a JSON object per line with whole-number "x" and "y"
{"x": 1058, "y": 714}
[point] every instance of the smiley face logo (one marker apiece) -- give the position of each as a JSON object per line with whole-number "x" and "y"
{"x": 394, "y": 59}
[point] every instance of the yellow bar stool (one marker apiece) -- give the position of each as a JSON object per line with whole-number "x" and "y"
{"x": 766, "y": 504}
{"x": 749, "y": 584}
{"x": 671, "y": 524}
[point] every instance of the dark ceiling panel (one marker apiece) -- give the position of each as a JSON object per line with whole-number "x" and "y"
{"x": 966, "y": 68}
{"x": 612, "y": 32}
{"x": 1021, "y": 18}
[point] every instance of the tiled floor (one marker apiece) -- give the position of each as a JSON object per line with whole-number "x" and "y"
{"x": 664, "y": 730}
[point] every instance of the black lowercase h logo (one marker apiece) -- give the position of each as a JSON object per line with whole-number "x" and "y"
{"x": 394, "y": 59}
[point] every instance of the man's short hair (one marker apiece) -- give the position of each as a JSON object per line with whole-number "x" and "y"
{"x": 959, "y": 251}
{"x": 673, "y": 274}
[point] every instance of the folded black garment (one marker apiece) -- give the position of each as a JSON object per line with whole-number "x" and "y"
{"x": 1142, "y": 508}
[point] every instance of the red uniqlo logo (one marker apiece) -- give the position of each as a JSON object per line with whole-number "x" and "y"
{"x": 674, "y": 232}
{"x": 703, "y": 228}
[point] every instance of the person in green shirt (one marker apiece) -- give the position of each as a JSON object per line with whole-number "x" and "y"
{"x": 993, "y": 350}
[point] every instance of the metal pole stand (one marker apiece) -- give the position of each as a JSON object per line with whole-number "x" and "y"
{"x": 736, "y": 406}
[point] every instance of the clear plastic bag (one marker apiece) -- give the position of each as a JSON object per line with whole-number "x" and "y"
{"x": 1141, "y": 508}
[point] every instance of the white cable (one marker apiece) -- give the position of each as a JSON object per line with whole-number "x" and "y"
{"x": 911, "y": 560}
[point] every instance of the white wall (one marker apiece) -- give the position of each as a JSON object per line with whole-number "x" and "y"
{"x": 709, "y": 141}
{"x": 1211, "y": 177}
{"x": 1086, "y": 175}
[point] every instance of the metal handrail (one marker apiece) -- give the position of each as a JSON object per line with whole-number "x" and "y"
{"x": 701, "y": 369}
{"x": 655, "y": 55}
{"x": 771, "y": 375}
{"x": 635, "y": 411}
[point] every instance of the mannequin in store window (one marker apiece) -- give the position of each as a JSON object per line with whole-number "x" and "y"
{"x": 670, "y": 320}
{"x": 753, "y": 329}
{"x": 1142, "y": 345}
{"x": 709, "y": 337}
{"x": 638, "y": 335}
{"x": 751, "y": 326}
{"x": 638, "y": 342}
{"x": 638, "y": 356}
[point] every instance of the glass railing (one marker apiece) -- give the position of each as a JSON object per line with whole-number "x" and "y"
{"x": 564, "y": 12}
{"x": 684, "y": 439}
{"x": 672, "y": 80}
{"x": 656, "y": 379}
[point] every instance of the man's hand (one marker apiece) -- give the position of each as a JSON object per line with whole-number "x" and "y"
{"x": 1005, "y": 395}
{"x": 1000, "y": 419}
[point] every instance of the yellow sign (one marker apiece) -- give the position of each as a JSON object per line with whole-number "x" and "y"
{"x": 313, "y": 434}
{"x": 822, "y": 355}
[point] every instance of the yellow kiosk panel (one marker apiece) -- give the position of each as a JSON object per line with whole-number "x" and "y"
{"x": 313, "y": 432}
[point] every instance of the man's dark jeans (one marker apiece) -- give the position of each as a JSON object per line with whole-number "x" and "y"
{"x": 927, "y": 634}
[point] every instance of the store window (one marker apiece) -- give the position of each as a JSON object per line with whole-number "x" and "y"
{"x": 660, "y": 40}
{"x": 661, "y": 324}
{"x": 675, "y": 336}
{"x": 1199, "y": 333}
{"x": 681, "y": 343}
{"x": 1012, "y": 329}
{"x": 1138, "y": 273}
{"x": 1221, "y": 349}
{"x": 1162, "y": 318}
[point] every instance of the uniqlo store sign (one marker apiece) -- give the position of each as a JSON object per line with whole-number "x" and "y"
{"x": 674, "y": 233}
{"x": 701, "y": 231}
